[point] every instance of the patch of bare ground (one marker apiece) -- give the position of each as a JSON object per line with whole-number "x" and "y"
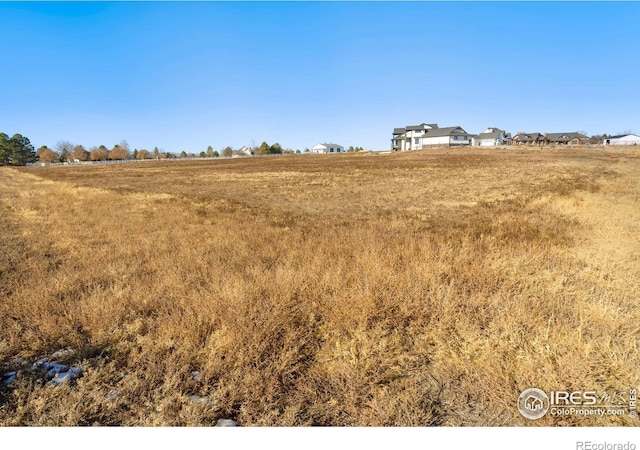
{"x": 424, "y": 288}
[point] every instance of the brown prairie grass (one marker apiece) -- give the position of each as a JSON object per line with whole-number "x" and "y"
{"x": 425, "y": 288}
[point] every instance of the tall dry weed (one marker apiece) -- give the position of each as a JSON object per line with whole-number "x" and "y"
{"x": 427, "y": 288}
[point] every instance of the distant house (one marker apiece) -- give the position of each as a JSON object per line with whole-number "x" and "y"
{"x": 449, "y": 136}
{"x": 523, "y": 138}
{"x": 246, "y": 150}
{"x": 623, "y": 139}
{"x": 492, "y": 137}
{"x": 565, "y": 139}
{"x": 409, "y": 137}
{"x": 415, "y": 137}
{"x": 327, "y": 148}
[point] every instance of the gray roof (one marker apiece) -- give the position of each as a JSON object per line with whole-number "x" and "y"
{"x": 447, "y": 131}
{"x": 399, "y": 130}
{"x": 329, "y": 145}
{"x": 494, "y": 135}
{"x": 528, "y": 136}
{"x": 422, "y": 126}
{"x": 560, "y": 137}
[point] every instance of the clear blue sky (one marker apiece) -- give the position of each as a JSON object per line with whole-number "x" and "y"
{"x": 182, "y": 76}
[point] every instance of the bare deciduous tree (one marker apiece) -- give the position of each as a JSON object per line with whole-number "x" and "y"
{"x": 64, "y": 149}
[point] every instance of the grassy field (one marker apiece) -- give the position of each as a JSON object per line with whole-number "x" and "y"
{"x": 414, "y": 289}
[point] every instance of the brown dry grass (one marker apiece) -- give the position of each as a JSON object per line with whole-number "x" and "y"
{"x": 426, "y": 288}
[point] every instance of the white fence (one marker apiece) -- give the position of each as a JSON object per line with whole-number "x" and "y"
{"x": 127, "y": 161}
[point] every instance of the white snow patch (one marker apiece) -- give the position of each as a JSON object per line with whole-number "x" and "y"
{"x": 198, "y": 399}
{"x": 61, "y": 378}
{"x": 226, "y": 423}
{"x": 112, "y": 395}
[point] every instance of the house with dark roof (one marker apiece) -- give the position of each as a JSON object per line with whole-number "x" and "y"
{"x": 522, "y": 138}
{"x": 398, "y": 139}
{"x": 408, "y": 138}
{"x": 491, "y": 137}
{"x": 415, "y": 137}
{"x": 565, "y": 139}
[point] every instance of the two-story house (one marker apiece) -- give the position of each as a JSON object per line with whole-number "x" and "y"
{"x": 415, "y": 137}
{"x": 492, "y": 137}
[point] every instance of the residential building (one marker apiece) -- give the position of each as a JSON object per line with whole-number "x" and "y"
{"x": 565, "y": 139}
{"x": 409, "y": 137}
{"x": 415, "y": 137}
{"x": 492, "y": 137}
{"x": 622, "y": 139}
{"x": 327, "y": 148}
{"x": 522, "y": 138}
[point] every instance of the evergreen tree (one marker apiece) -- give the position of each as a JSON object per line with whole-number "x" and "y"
{"x": 264, "y": 149}
{"x": 23, "y": 151}
{"x": 275, "y": 149}
{"x": 16, "y": 150}
{"x": 5, "y": 149}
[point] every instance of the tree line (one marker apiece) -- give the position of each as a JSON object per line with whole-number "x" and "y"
{"x": 18, "y": 151}
{"x": 65, "y": 151}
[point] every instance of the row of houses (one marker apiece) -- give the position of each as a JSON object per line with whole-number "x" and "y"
{"x": 569, "y": 139}
{"x": 320, "y": 148}
{"x": 425, "y": 135}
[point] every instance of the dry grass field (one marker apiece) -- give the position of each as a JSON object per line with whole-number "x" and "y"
{"x": 417, "y": 289}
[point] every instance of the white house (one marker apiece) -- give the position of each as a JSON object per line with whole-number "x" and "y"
{"x": 448, "y": 136}
{"x": 625, "y": 139}
{"x": 491, "y": 137}
{"x": 414, "y": 137}
{"x": 246, "y": 150}
{"x": 409, "y": 137}
{"x": 327, "y": 148}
